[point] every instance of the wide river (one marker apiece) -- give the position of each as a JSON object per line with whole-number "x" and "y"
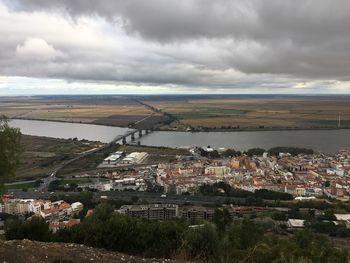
{"x": 319, "y": 140}
{"x": 66, "y": 130}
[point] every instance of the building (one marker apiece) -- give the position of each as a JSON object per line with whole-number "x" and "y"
{"x": 151, "y": 212}
{"x": 55, "y": 226}
{"x": 295, "y": 223}
{"x": 131, "y": 183}
{"x": 50, "y": 211}
{"x": 134, "y": 158}
{"x": 338, "y": 191}
{"x": 113, "y": 158}
{"x": 77, "y": 207}
{"x": 217, "y": 170}
{"x": 59, "y": 210}
{"x": 342, "y": 217}
{"x": 197, "y": 214}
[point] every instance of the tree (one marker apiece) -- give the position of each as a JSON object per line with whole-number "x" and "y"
{"x": 221, "y": 219}
{"x": 229, "y": 153}
{"x": 202, "y": 243}
{"x": 10, "y": 148}
{"x": 33, "y": 229}
{"x": 255, "y": 151}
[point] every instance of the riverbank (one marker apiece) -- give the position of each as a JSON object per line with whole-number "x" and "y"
{"x": 256, "y": 129}
{"x": 196, "y": 130}
{"x": 324, "y": 140}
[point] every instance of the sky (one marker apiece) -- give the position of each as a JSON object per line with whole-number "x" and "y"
{"x": 174, "y": 46}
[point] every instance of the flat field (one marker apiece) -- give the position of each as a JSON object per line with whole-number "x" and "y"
{"x": 197, "y": 111}
{"x": 40, "y": 155}
{"x": 106, "y": 110}
{"x": 256, "y": 111}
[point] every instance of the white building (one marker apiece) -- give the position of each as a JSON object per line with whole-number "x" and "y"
{"x": 217, "y": 170}
{"x": 113, "y": 158}
{"x": 295, "y": 223}
{"x": 135, "y": 158}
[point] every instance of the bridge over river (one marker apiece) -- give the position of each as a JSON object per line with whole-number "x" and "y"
{"x": 132, "y": 134}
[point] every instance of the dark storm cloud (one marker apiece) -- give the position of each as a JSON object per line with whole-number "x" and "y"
{"x": 165, "y": 20}
{"x": 192, "y": 42}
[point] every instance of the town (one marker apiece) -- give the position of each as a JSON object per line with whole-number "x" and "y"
{"x": 205, "y": 174}
{"x": 302, "y": 175}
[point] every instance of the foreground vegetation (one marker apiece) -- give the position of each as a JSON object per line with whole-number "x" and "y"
{"x": 9, "y": 151}
{"x": 221, "y": 241}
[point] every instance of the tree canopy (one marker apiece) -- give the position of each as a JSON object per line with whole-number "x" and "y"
{"x": 10, "y": 139}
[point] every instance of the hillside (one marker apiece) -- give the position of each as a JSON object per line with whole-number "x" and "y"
{"x": 26, "y": 251}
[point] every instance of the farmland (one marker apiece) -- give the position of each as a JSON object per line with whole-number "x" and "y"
{"x": 199, "y": 112}
{"x": 240, "y": 112}
{"x": 105, "y": 110}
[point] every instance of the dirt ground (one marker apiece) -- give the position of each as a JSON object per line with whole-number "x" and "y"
{"x": 26, "y": 251}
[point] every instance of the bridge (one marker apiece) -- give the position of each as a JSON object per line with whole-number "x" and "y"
{"x": 52, "y": 176}
{"x": 131, "y": 134}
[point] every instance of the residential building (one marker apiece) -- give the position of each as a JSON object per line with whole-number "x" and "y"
{"x": 151, "y": 212}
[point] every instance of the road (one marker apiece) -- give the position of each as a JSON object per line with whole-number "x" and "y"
{"x": 20, "y": 182}
{"x": 146, "y": 196}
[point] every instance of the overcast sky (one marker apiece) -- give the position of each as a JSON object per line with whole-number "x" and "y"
{"x": 174, "y": 46}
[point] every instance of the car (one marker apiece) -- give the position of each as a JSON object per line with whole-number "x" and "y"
{"x": 163, "y": 196}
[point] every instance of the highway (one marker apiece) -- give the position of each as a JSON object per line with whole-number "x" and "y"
{"x": 146, "y": 196}
{"x": 170, "y": 198}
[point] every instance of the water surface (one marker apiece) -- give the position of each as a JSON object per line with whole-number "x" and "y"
{"x": 320, "y": 140}
{"x": 64, "y": 130}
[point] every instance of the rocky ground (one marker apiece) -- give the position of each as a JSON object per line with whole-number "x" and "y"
{"x": 26, "y": 251}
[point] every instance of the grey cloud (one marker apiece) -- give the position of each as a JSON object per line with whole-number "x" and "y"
{"x": 196, "y": 42}
{"x": 302, "y": 21}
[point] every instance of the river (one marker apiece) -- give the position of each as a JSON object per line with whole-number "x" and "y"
{"x": 66, "y": 130}
{"x": 320, "y": 140}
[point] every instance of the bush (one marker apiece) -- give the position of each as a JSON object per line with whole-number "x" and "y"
{"x": 33, "y": 229}
{"x": 201, "y": 243}
{"x": 255, "y": 151}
